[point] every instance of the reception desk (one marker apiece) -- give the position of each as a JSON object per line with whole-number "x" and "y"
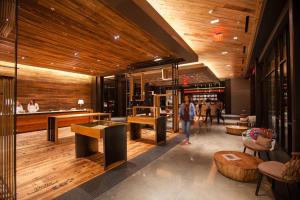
{"x": 27, "y": 122}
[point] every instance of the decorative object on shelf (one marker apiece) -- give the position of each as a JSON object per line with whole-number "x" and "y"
{"x": 80, "y": 102}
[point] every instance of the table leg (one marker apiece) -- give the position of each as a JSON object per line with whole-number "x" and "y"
{"x": 161, "y": 136}
{"x": 55, "y": 130}
{"x": 135, "y": 131}
{"x": 51, "y": 129}
{"x": 114, "y": 146}
{"x": 85, "y": 145}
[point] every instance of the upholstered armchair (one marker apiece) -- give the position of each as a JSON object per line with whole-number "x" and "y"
{"x": 288, "y": 173}
{"x": 261, "y": 144}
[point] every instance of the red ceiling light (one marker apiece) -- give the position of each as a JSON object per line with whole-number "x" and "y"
{"x": 218, "y": 37}
{"x": 185, "y": 80}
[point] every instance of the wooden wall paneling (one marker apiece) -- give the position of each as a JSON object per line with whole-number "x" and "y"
{"x": 7, "y": 17}
{"x": 53, "y": 90}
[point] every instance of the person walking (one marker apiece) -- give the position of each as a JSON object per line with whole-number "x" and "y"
{"x": 187, "y": 114}
{"x": 208, "y": 111}
{"x": 219, "y": 111}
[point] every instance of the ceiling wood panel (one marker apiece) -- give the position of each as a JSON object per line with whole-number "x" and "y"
{"x": 194, "y": 74}
{"x": 78, "y": 35}
{"x": 191, "y": 20}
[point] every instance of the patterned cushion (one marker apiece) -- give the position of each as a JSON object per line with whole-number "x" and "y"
{"x": 255, "y": 147}
{"x": 253, "y": 133}
{"x": 291, "y": 170}
{"x": 265, "y": 142}
{"x": 271, "y": 168}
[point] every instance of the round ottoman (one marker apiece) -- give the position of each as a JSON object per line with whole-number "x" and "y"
{"x": 244, "y": 169}
{"x": 236, "y": 130}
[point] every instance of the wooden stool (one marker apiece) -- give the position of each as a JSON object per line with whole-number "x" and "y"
{"x": 244, "y": 169}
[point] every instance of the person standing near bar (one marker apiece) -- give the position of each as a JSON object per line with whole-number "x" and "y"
{"x": 219, "y": 111}
{"x": 32, "y": 106}
{"x": 208, "y": 111}
{"x": 187, "y": 114}
{"x": 19, "y": 108}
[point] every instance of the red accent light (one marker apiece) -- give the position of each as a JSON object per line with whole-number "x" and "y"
{"x": 204, "y": 91}
{"x": 218, "y": 37}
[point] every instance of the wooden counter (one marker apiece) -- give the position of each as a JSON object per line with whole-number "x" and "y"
{"x": 53, "y": 122}
{"x": 27, "y": 122}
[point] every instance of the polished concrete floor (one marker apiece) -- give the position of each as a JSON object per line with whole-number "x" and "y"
{"x": 187, "y": 172}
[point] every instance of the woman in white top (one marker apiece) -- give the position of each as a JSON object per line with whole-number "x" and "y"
{"x": 32, "y": 106}
{"x": 19, "y": 108}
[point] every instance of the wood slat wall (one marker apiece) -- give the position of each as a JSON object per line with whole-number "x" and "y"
{"x": 53, "y": 89}
{"x": 7, "y": 136}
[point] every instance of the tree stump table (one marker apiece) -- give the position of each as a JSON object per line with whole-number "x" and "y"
{"x": 236, "y": 130}
{"x": 244, "y": 169}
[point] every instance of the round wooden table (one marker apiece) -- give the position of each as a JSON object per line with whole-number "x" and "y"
{"x": 244, "y": 169}
{"x": 236, "y": 130}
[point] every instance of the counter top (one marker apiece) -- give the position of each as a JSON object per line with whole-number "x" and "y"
{"x": 51, "y": 112}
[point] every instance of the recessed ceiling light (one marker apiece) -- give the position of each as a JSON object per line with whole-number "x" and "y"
{"x": 76, "y": 54}
{"x": 6, "y": 19}
{"x": 228, "y": 65}
{"x": 235, "y": 37}
{"x": 224, "y": 52}
{"x": 23, "y": 57}
{"x": 210, "y": 11}
{"x": 98, "y": 60}
{"x": 52, "y": 63}
{"x": 116, "y": 37}
{"x": 53, "y": 9}
{"x": 117, "y": 65}
{"x": 214, "y": 21}
{"x": 157, "y": 59}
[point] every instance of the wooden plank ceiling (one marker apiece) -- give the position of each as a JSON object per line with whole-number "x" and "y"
{"x": 80, "y": 36}
{"x": 188, "y": 75}
{"x": 191, "y": 19}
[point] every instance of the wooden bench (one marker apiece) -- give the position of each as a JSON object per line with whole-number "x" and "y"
{"x": 52, "y": 133}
